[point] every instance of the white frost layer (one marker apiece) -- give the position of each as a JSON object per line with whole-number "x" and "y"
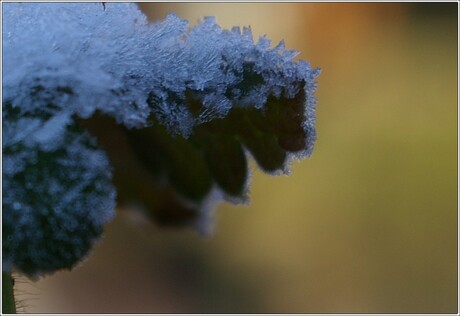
{"x": 113, "y": 60}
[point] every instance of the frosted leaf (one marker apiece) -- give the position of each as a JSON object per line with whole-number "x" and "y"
{"x": 196, "y": 101}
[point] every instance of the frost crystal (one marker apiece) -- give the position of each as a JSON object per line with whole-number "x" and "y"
{"x": 87, "y": 58}
{"x": 63, "y": 62}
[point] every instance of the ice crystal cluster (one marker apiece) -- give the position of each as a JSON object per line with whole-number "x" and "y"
{"x": 192, "y": 103}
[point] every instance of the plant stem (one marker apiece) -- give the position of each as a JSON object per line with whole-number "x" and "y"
{"x": 8, "y": 303}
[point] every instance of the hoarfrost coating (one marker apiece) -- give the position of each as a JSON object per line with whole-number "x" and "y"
{"x": 112, "y": 60}
{"x": 65, "y": 61}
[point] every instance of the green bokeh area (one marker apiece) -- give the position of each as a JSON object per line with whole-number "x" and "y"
{"x": 367, "y": 225}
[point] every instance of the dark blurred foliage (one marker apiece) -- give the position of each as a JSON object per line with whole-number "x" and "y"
{"x": 171, "y": 176}
{"x": 447, "y": 10}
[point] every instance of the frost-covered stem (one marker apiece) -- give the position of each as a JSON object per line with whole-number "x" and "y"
{"x": 9, "y": 305}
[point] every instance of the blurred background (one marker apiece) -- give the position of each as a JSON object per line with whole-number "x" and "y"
{"x": 367, "y": 225}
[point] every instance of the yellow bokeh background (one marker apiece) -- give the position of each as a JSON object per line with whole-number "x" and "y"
{"x": 367, "y": 225}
